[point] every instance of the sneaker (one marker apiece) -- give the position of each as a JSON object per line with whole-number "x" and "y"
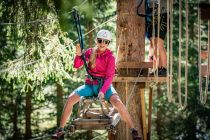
{"x": 135, "y": 134}
{"x": 162, "y": 72}
{"x": 59, "y": 134}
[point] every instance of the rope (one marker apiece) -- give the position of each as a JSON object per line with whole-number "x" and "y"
{"x": 98, "y": 27}
{"x": 118, "y": 47}
{"x": 47, "y": 56}
{"x": 153, "y": 34}
{"x": 27, "y": 64}
{"x": 183, "y": 105}
{"x": 168, "y": 51}
{"x": 203, "y": 96}
{"x": 158, "y": 48}
{"x": 99, "y": 136}
{"x": 171, "y": 52}
{"x": 37, "y": 138}
{"x": 180, "y": 52}
{"x": 186, "y": 53}
{"x": 28, "y": 22}
{"x": 132, "y": 91}
{"x": 38, "y": 20}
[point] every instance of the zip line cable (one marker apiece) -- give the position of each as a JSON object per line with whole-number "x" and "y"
{"x": 38, "y": 20}
{"x": 47, "y": 56}
{"x": 98, "y": 27}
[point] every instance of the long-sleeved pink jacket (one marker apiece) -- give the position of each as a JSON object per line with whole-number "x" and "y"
{"x": 105, "y": 67}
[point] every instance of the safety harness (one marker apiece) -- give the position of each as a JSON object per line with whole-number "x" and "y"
{"x": 81, "y": 41}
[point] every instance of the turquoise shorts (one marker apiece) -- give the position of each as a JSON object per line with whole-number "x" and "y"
{"x": 87, "y": 90}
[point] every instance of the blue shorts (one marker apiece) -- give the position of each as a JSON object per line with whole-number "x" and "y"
{"x": 87, "y": 90}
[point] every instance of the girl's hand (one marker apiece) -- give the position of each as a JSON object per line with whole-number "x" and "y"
{"x": 78, "y": 50}
{"x": 101, "y": 95}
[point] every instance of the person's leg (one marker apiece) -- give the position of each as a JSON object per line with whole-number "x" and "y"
{"x": 162, "y": 53}
{"x": 151, "y": 51}
{"x": 153, "y": 42}
{"x": 117, "y": 103}
{"x": 125, "y": 116}
{"x": 72, "y": 99}
{"x": 84, "y": 90}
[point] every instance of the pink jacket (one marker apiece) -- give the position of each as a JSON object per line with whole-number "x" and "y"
{"x": 105, "y": 67}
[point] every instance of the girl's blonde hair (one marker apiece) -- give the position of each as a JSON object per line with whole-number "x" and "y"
{"x": 92, "y": 60}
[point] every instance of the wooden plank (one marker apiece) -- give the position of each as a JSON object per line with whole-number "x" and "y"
{"x": 80, "y": 121}
{"x": 143, "y": 113}
{"x": 134, "y": 65}
{"x": 204, "y": 70}
{"x": 92, "y": 127}
{"x": 140, "y": 79}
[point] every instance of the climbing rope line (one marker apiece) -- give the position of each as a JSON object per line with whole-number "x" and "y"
{"x": 186, "y": 53}
{"x": 167, "y": 48}
{"x": 171, "y": 52}
{"x": 37, "y": 138}
{"x": 54, "y": 54}
{"x": 97, "y": 27}
{"x": 77, "y": 6}
{"x": 132, "y": 90}
{"x": 38, "y": 20}
{"x": 27, "y": 64}
{"x": 180, "y": 52}
{"x": 118, "y": 46}
{"x": 181, "y": 104}
{"x": 153, "y": 40}
{"x": 99, "y": 136}
{"x": 169, "y": 13}
{"x": 203, "y": 96}
{"x": 28, "y": 22}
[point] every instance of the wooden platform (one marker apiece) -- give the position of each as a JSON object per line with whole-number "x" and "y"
{"x": 132, "y": 64}
{"x": 91, "y": 124}
{"x": 140, "y": 79}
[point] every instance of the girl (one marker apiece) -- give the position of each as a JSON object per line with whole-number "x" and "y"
{"x": 101, "y": 63}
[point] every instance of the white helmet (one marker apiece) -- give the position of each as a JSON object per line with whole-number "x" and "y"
{"x": 104, "y": 34}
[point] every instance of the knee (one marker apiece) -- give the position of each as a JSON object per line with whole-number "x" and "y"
{"x": 115, "y": 100}
{"x": 72, "y": 99}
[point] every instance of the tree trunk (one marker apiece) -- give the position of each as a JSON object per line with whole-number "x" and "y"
{"x": 90, "y": 35}
{"x": 131, "y": 43}
{"x": 28, "y": 110}
{"x": 59, "y": 102}
{"x": 15, "y": 119}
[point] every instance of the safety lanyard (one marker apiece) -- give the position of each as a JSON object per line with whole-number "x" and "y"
{"x": 81, "y": 41}
{"x": 147, "y": 9}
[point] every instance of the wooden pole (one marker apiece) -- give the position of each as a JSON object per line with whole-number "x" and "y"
{"x": 131, "y": 42}
{"x": 149, "y": 114}
{"x": 143, "y": 113}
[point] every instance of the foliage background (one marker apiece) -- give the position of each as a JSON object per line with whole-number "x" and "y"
{"x": 37, "y": 41}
